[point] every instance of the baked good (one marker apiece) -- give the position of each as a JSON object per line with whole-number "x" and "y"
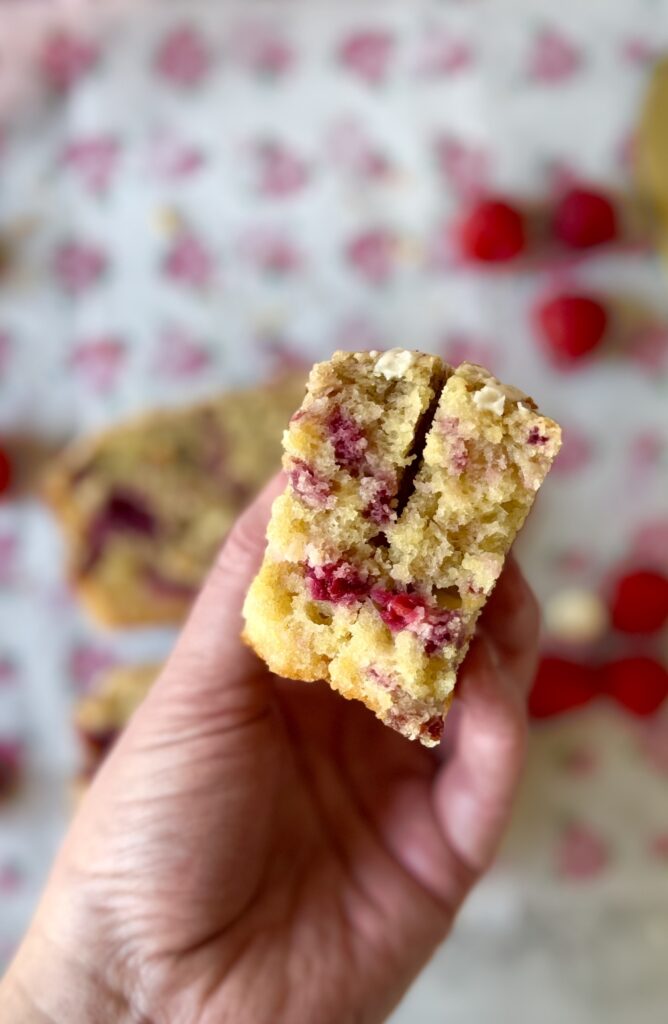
{"x": 408, "y": 482}
{"x": 102, "y": 714}
{"x": 145, "y": 505}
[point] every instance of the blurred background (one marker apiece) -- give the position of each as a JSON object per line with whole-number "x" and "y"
{"x": 197, "y": 197}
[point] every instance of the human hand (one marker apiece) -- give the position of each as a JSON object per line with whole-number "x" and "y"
{"x": 255, "y": 850}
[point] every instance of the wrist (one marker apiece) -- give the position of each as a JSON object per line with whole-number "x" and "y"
{"x": 43, "y": 986}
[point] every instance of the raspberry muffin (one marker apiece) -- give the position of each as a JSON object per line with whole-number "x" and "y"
{"x": 408, "y": 482}
{"x": 101, "y": 716}
{"x": 145, "y": 505}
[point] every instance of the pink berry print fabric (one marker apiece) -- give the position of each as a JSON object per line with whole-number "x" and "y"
{"x": 197, "y": 194}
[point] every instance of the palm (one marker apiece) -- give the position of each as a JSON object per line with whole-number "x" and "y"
{"x": 257, "y": 850}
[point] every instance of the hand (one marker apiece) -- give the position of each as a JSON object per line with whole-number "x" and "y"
{"x": 259, "y": 851}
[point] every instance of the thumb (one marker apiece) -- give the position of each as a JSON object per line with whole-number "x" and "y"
{"x": 211, "y": 673}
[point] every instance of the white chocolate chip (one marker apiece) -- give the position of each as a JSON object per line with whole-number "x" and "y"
{"x": 523, "y": 409}
{"x": 576, "y": 616}
{"x": 490, "y": 399}
{"x": 393, "y": 364}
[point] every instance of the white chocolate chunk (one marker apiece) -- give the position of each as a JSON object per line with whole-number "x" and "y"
{"x": 490, "y": 399}
{"x": 576, "y": 615}
{"x": 393, "y": 364}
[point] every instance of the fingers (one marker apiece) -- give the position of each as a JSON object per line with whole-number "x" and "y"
{"x": 474, "y": 790}
{"x": 210, "y": 655}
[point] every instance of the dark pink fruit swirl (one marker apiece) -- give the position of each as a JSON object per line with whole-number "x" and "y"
{"x": 434, "y": 626}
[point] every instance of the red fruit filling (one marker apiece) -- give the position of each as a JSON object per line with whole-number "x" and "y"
{"x": 493, "y": 232}
{"x": 98, "y": 744}
{"x": 123, "y": 512}
{"x": 338, "y": 582}
{"x": 639, "y": 602}
{"x": 311, "y": 488}
{"x": 348, "y": 441}
{"x": 571, "y": 326}
{"x": 584, "y": 218}
{"x": 535, "y": 437}
{"x": 639, "y": 684}
{"x": 433, "y": 626}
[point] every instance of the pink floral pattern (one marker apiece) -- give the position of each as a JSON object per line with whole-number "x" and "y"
{"x": 183, "y": 57}
{"x": 94, "y": 159}
{"x": 263, "y": 49}
{"x": 576, "y": 452}
{"x": 65, "y": 58}
{"x": 367, "y": 53}
{"x": 280, "y": 171}
{"x": 189, "y": 261}
{"x": 444, "y": 54}
{"x": 553, "y": 58}
{"x": 465, "y": 168}
{"x": 9, "y": 551}
{"x": 79, "y": 265}
{"x": 581, "y": 853}
{"x": 372, "y": 254}
{"x": 98, "y": 362}
{"x": 179, "y": 354}
{"x": 271, "y": 251}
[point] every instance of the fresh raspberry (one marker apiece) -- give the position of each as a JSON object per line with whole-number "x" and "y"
{"x": 584, "y": 218}
{"x": 492, "y": 232}
{"x": 560, "y": 686}
{"x": 571, "y": 326}
{"x": 639, "y": 602}
{"x": 338, "y": 582}
{"x": 5, "y": 472}
{"x": 639, "y": 684}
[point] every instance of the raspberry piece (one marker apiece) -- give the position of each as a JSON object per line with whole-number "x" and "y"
{"x": 338, "y": 582}
{"x": 535, "y": 437}
{"x": 561, "y": 685}
{"x": 639, "y": 684}
{"x": 5, "y": 472}
{"x": 571, "y": 326}
{"x": 409, "y": 611}
{"x": 399, "y": 611}
{"x": 123, "y": 512}
{"x": 493, "y": 232}
{"x": 639, "y": 602}
{"x": 311, "y": 488}
{"x": 348, "y": 440}
{"x": 584, "y": 218}
{"x": 379, "y": 509}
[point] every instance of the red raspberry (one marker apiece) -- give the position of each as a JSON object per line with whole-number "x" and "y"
{"x": 5, "y": 472}
{"x": 492, "y": 232}
{"x": 399, "y": 611}
{"x": 338, "y": 582}
{"x": 560, "y": 686}
{"x": 639, "y": 602}
{"x": 572, "y": 326}
{"x": 639, "y": 684}
{"x": 584, "y": 218}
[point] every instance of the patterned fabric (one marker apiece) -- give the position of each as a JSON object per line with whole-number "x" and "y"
{"x": 193, "y": 194}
